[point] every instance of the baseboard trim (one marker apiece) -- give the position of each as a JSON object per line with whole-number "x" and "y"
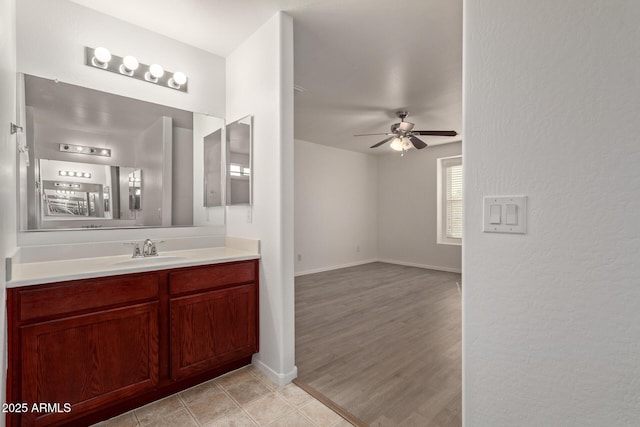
{"x": 413, "y": 264}
{"x": 280, "y": 379}
{"x": 334, "y": 267}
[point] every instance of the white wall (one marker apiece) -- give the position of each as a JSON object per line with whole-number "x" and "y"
{"x": 51, "y": 36}
{"x": 407, "y": 209}
{"x": 7, "y": 168}
{"x": 336, "y": 207}
{"x": 260, "y": 83}
{"x": 551, "y": 319}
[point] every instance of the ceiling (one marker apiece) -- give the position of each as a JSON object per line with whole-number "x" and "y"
{"x": 358, "y": 61}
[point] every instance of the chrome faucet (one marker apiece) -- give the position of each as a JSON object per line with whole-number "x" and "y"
{"x": 149, "y": 248}
{"x": 136, "y": 249}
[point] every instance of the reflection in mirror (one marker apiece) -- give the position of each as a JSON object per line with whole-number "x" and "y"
{"x": 213, "y": 169}
{"x": 135, "y": 190}
{"x": 97, "y": 140}
{"x": 238, "y": 161}
{"x": 85, "y": 200}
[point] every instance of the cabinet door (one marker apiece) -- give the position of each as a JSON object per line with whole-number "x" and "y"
{"x": 212, "y": 328}
{"x": 89, "y": 360}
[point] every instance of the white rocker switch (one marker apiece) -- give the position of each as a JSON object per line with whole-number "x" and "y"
{"x": 504, "y": 214}
{"x": 495, "y": 214}
{"x": 512, "y": 214}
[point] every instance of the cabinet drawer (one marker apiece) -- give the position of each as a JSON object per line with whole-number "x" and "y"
{"x": 208, "y": 277}
{"x": 80, "y": 295}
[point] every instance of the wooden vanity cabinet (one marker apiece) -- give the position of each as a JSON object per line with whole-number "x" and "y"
{"x": 213, "y": 317}
{"x": 107, "y": 345}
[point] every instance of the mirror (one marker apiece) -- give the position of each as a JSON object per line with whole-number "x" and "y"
{"x": 213, "y": 169}
{"x": 103, "y": 160}
{"x": 238, "y": 161}
{"x": 135, "y": 190}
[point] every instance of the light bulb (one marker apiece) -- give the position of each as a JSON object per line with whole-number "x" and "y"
{"x": 101, "y": 57}
{"x": 63, "y": 173}
{"x": 179, "y": 78}
{"x": 104, "y": 152}
{"x": 129, "y": 65}
{"x": 156, "y": 71}
{"x": 396, "y": 144}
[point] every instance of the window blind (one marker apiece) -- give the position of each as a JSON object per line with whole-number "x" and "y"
{"x": 454, "y": 202}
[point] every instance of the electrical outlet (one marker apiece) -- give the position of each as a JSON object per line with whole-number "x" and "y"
{"x": 299, "y": 257}
{"x": 358, "y": 248}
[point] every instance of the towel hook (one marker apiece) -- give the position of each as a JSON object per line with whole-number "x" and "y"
{"x": 15, "y": 128}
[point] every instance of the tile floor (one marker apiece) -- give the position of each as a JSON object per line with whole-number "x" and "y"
{"x": 245, "y": 397}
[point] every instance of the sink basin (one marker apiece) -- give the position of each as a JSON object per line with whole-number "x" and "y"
{"x": 160, "y": 259}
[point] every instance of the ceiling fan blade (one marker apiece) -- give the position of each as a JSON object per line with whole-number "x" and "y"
{"x": 418, "y": 143}
{"x": 435, "y": 132}
{"x": 382, "y": 142}
{"x": 370, "y": 134}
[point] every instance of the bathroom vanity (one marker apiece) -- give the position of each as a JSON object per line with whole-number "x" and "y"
{"x": 93, "y": 347}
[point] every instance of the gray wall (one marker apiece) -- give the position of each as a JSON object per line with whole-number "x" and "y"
{"x": 336, "y": 201}
{"x": 150, "y": 160}
{"x": 352, "y": 208}
{"x": 182, "y": 195}
{"x": 407, "y": 209}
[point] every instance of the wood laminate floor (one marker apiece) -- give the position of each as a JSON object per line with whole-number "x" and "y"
{"x": 383, "y": 342}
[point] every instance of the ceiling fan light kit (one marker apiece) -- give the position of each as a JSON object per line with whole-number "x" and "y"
{"x": 403, "y": 137}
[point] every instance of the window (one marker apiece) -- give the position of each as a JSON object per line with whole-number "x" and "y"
{"x": 238, "y": 170}
{"x": 450, "y": 200}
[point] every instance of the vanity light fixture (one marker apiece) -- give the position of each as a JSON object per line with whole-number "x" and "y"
{"x": 178, "y": 79}
{"x": 155, "y": 72}
{"x": 75, "y": 174}
{"x": 101, "y": 57}
{"x": 83, "y": 149}
{"x": 129, "y": 66}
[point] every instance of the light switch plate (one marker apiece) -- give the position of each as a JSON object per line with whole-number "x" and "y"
{"x": 503, "y": 201}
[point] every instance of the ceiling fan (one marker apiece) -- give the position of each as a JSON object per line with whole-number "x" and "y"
{"x": 403, "y": 137}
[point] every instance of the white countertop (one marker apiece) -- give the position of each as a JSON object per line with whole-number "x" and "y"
{"x": 35, "y": 273}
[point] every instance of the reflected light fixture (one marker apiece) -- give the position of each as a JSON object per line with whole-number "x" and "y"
{"x": 75, "y": 174}
{"x": 67, "y": 185}
{"x": 83, "y": 149}
{"x": 129, "y": 66}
